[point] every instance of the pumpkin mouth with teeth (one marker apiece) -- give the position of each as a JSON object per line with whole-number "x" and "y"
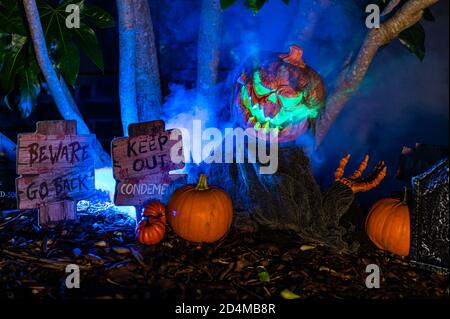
{"x": 283, "y": 94}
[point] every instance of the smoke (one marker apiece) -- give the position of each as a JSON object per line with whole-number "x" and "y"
{"x": 402, "y": 100}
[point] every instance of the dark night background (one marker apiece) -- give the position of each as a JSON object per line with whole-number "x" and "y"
{"x": 402, "y": 100}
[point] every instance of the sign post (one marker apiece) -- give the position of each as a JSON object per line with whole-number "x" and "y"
{"x": 142, "y": 162}
{"x": 56, "y": 167}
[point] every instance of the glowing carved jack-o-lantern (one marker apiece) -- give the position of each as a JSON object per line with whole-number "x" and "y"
{"x": 283, "y": 94}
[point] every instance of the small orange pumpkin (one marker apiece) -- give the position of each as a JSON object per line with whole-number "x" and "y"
{"x": 150, "y": 233}
{"x": 200, "y": 213}
{"x": 155, "y": 210}
{"x": 388, "y": 225}
{"x": 152, "y": 228}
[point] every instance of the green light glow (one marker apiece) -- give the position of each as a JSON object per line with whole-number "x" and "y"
{"x": 292, "y": 111}
{"x": 291, "y": 102}
{"x": 259, "y": 88}
{"x": 273, "y": 98}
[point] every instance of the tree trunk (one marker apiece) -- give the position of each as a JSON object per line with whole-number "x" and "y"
{"x": 290, "y": 199}
{"x": 103, "y": 159}
{"x": 7, "y": 147}
{"x": 127, "y": 63}
{"x": 209, "y": 47}
{"x": 61, "y": 98}
{"x": 148, "y": 87}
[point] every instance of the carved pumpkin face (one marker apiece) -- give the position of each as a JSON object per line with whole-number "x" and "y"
{"x": 283, "y": 94}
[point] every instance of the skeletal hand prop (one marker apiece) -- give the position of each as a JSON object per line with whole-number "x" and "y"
{"x": 357, "y": 183}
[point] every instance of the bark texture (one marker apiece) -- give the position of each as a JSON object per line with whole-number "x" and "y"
{"x": 209, "y": 40}
{"x": 148, "y": 86}
{"x": 127, "y": 63}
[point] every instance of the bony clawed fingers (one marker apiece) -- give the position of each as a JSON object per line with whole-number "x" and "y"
{"x": 373, "y": 181}
{"x": 342, "y": 164}
{"x": 355, "y": 182}
{"x": 361, "y": 168}
{"x": 380, "y": 174}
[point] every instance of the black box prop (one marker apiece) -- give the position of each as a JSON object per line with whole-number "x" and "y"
{"x": 430, "y": 219}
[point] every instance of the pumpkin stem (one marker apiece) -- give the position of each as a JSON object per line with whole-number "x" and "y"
{"x": 405, "y": 196}
{"x": 294, "y": 57}
{"x": 202, "y": 184}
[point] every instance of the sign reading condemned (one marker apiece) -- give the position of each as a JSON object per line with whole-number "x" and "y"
{"x": 142, "y": 162}
{"x": 56, "y": 165}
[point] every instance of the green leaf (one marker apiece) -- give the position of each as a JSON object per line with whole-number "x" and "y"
{"x": 29, "y": 89}
{"x": 256, "y": 5}
{"x": 264, "y": 277}
{"x": 68, "y": 60}
{"x": 12, "y": 62}
{"x": 12, "y": 18}
{"x": 88, "y": 42}
{"x": 227, "y": 3}
{"x": 97, "y": 17}
{"x": 414, "y": 40}
{"x": 287, "y": 294}
{"x": 55, "y": 30}
{"x": 3, "y": 45}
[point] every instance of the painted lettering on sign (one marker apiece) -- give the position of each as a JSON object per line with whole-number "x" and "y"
{"x": 142, "y": 162}
{"x": 56, "y": 165}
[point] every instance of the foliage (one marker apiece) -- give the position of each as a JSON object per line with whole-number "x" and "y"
{"x": 20, "y": 75}
{"x": 255, "y": 5}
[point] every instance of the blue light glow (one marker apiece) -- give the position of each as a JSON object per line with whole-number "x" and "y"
{"x": 104, "y": 181}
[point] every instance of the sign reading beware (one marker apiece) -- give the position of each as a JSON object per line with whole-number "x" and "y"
{"x": 142, "y": 162}
{"x": 56, "y": 167}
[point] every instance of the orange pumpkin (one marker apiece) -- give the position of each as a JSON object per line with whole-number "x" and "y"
{"x": 155, "y": 210}
{"x": 150, "y": 233}
{"x": 388, "y": 225}
{"x": 200, "y": 213}
{"x": 152, "y": 228}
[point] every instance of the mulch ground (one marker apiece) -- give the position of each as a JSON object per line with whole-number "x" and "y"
{"x": 243, "y": 265}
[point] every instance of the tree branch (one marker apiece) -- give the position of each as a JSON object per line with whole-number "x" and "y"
{"x": 351, "y": 77}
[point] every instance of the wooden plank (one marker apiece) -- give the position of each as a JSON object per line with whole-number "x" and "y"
{"x": 56, "y": 212}
{"x": 146, "y": 128}
{"x": 138, "y": 191}
{"x": 142, "y": 162}
{"x": 37, "y": 190}
{"x": 39, "y": 154}
{"x": 57, "y": 127}
{"x": 146, "y": 154}
{"x": 57, "y": 168}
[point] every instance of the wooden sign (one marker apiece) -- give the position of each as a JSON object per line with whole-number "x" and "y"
{"x": 142, "y": 162}
{"x": 56, "y": 167}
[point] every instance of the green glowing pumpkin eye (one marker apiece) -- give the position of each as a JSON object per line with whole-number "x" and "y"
{"x": 290, "y": 102}
{"x": 259, "y": 88}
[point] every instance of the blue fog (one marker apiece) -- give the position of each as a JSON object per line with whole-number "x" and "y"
{"x": 402, "y": 100}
